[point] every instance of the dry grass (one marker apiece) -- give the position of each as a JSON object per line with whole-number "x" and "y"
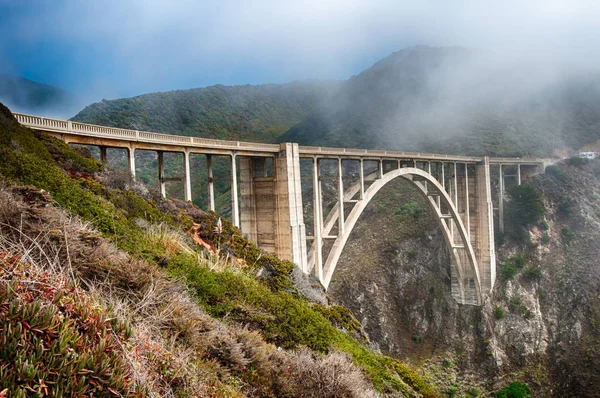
{"x": 176, "y": 348}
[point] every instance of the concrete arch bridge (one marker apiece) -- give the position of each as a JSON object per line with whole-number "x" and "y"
{"x": 267, "y": 202}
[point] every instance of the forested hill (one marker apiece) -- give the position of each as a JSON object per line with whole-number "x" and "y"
{"x": 458, "y": 101}
{"x": 24, "y": 95}
{"x": 251, "y": 113}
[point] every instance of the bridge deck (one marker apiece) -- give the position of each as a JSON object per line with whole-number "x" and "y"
{"x": 154, "y": 141}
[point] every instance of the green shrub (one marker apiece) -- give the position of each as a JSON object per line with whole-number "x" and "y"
{"x": 474, "y": 392}
{"x": 567, "y": 235}
{"x": 545, "y": 238}
{"x": 516, "y": 389}
{"x": 556, "y": 173}
{"x": 448, "y": 363}
{"x": 514, "y": 303}
{"x": 452, "y": 391}
{"x": 411, "y": 209}
{"x": 532, "y": 273}
{"x": 498, "y": 312}
{"x": 577, "y": 161}
{"x": 519, "y": 261}
{"x": 417, "y": 338}
{"x": 507, "y": 271}
{"x": 566, "y": 208}
{"x": 544, "y": 225}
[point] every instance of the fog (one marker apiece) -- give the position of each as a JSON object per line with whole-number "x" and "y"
{"x": 123, "y": 48}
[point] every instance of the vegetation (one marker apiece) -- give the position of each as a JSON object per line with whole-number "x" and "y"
{"x": 526, "y": 206}
{"x": 411, "y": 209}
{"x": 245, "y": 113}
{"x": 129, "y": 254}
{"x": 498, "y": 312}
{"x": 515, "y": 389}
{"x": 56, "y": 341}
{"x": 395, "y": 95}
{"x": 567, "y": 235}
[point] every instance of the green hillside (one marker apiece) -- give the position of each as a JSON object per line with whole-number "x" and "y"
{"x": 455, "y": 100}
{"x": 251, "y": 113}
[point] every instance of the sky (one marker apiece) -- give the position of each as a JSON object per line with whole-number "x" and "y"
{"x": 119, "y": 48}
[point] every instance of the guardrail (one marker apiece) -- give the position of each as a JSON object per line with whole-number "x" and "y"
{"x": 68, "y": 126}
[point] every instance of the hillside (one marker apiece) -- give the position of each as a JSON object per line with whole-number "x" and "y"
{"x": 24, "y": 95}
{"x": 251, "y": 113}
{"x": 455, "y": 100}
{"x": 106, "y": 289}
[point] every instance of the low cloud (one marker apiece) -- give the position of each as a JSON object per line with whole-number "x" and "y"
{"x": 112, "y": 49}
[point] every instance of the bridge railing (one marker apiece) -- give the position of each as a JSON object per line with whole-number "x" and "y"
{"x": 309, "y": 151}
{"x": 134, "y": 135}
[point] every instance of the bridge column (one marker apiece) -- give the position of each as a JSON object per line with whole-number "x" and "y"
{"x": 290, "y": 233}
{"x": 501, "y": 200}
{"x": 318, "y": 220}
{"x": 362, "y": 179}
{"x": 235, "y": 218}
{"x": 131, "y": 159}
{"x": 341, "y": 197}
{"x": 211, "y": 183}
{"x": 248, "y": 196}
{"x": 484, "y": 226}
{"x": 161, "y": 174}
{"x": 187, "y": 176}
{"x": 103, "y": 155}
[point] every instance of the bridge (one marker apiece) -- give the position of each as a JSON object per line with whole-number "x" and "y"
{"x": 267, "y": 203}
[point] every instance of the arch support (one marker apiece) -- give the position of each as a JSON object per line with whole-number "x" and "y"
{"x": 471, "y": 246}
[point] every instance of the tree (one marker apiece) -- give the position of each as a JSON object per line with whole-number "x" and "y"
{"x": 526, "y": 206}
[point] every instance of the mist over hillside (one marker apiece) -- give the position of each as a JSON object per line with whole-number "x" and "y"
{"x": 27, "y": 96}
{"x": 457, "y": 100}
{"x": 251, "y": 113}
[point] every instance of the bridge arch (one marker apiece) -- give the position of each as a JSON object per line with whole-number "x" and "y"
{"x": 466, "y": 281}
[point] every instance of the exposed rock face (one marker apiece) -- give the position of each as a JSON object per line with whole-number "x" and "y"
{"x": 540, "y": 325}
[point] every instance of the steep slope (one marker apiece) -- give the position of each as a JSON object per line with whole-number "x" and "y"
{"x": 458, "y": 101}
{"x": 156, "y": 297}
{"x": 539, "y": 326}
{"x": 251, "y": 113}
{"x": 24, "y": 95}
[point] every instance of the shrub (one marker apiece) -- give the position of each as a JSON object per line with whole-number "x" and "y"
{"x": 556, "y": 173}
{"x": 452, "y": 391}
{"x": 545, "y": 238}
{"x": 498, "y": 312}
{"x": 417, "y": 338}
{"x": 411, "y": 209}
{"x": 448, "y": 363}
{"x": 566, "y": 208}
{"x": 567, "y": 235}
{"x": 577, "y": 161}
{"x": 474, "y": 392}
{"x": 516, "y": 389}
{"x": 544, "y": 225}
{"x": 519, "y": 261}
{"x": 507, "y": 271}
{"x": 532, "y": 273}
{"x": 514, "y": 303}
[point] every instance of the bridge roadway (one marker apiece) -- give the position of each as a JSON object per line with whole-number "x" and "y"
{"x": 457, "y": 188}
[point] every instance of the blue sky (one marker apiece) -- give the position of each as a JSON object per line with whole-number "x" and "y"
{"x": 116, "y": 48}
